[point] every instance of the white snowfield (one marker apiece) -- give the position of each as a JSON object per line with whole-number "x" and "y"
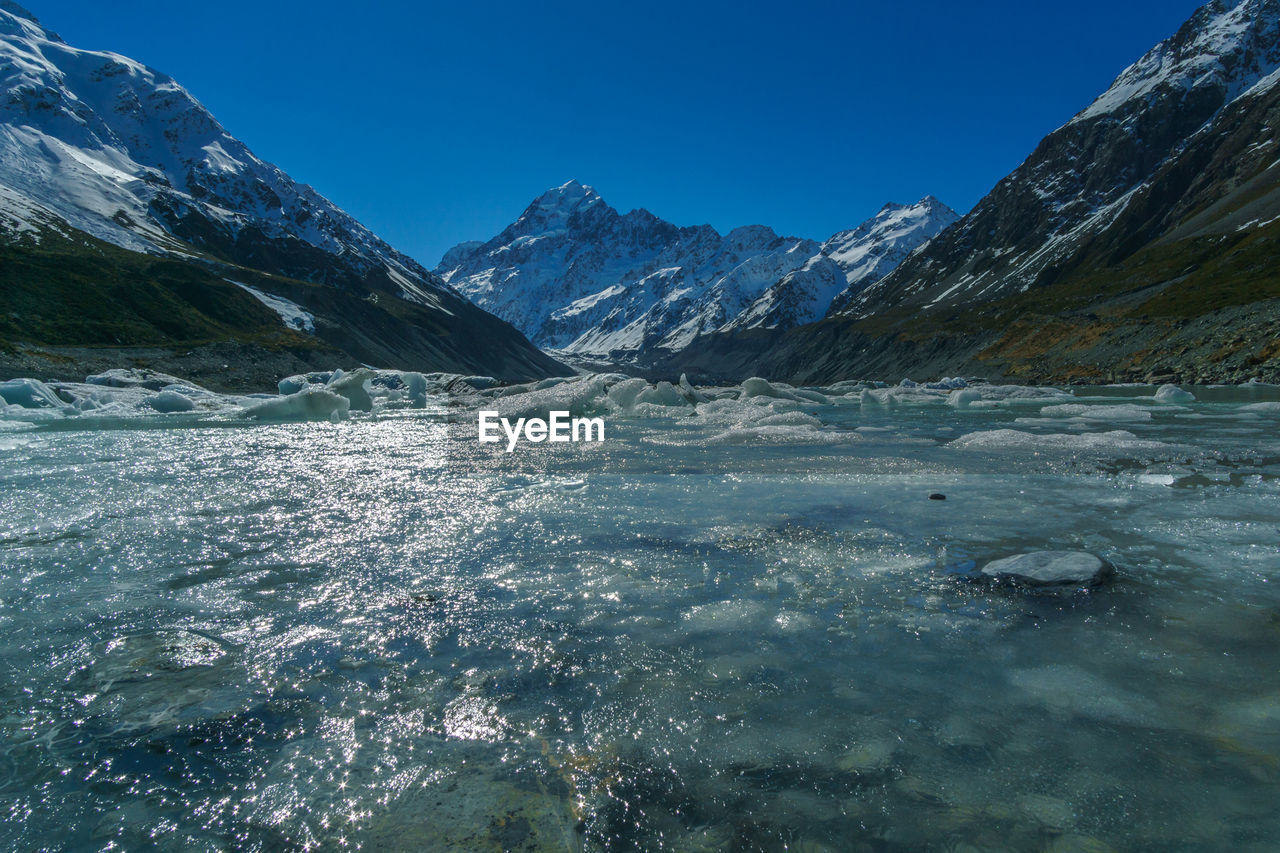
{"x": 576, "y": 276}
{"x": 952, "y": 414}
{"x": 120, "y": 151}
{"x": 291, "y": 314}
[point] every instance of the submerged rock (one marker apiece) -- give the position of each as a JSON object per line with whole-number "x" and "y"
{"x": 1050, "y": 569}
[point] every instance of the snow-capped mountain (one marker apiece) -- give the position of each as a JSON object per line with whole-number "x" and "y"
{"x": 875, "y": 248}
{"x": 576, "y": 275}
{"x": 98, "y": 143}
{"x": 1030, "y": 228}
{"x": 1135, "y": 243}
{"x": 128, "y": 155}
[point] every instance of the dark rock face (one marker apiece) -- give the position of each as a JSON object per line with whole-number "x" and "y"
{"x": 1050, "y": 570}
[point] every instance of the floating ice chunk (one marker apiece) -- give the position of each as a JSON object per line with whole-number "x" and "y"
{"x": 811, "y": 396}
{"x": 878, "y": 397}
{"x": 480, "y": 383}
{"x": 171, "y": 401}
{"x": 1021, "y": 393}
{"x": 964, "y": 398}
{"x": 1273, "y": 407}
{"x": 13, "y": 442}
{"x": 790, "y": 419}
{"x": 693, "y": 395}
{"x": 1012, "y": 438}
{"x": 848, "y": 386}
{"x": 1050, "y": 569}
{"x": 308, "y": 405}
{"x": 757, "y": 387}
{"x": 913, "y": 394}
{"x": 907, "y": 383}
{"x": 415, "y": 385}
{"x": 355, "y": 387}
{"x": 30, "y": 394}
{"x": 1122, "y": 412}
{"x": 1174, "y": 394}
{"x": 662, "y": 394}
{"x": 725, "y": 616}
{"x": 292, "y": 384}
{"x": 624, "y": 393}
{"x": 579, "y": 396}
{"x": 730, "y": 411}
{"x": 950, "y": 383}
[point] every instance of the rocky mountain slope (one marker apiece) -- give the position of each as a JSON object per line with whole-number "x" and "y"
{"x": 576, "y": 275}
{"x": 98, "y": 150}
{"x": 1138, "y": 240}
{"x": 1082, "y": 177}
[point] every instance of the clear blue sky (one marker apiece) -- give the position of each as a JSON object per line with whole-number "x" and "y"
{"x": 438, "y": 122}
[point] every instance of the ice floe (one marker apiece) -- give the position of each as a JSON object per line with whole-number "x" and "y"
{"x": 1011, "y": 439}
{"x": 1100, "y": 412}
{"x": 1174, "y": 394}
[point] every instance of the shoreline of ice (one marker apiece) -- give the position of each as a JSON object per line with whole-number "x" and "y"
{"x": 1045, "y": 418}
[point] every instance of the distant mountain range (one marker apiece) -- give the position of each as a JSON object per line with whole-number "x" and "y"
{"x": 1140, "y": 240}
{"x": 112, "y": 173}
{"x": 577, "y": 276}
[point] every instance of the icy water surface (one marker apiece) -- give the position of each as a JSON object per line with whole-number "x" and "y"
{"x": 706, "y": 633}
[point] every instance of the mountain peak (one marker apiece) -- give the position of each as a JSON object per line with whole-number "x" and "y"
{"x": 1223, "y": 45}
{"x": 569, "y": 194}
{"x": 552, "y": 210}
{"x": 14, "y": 9}
{"x": 21, "y": 23}
{"x": 751, "y": 235}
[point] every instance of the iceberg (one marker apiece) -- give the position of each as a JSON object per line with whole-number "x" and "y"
{"x": 307, "y": 405}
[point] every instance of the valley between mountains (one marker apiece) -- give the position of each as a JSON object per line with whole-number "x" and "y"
{"x": 1137, "y": 242}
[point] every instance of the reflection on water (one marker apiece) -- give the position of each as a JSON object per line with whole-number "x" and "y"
{"x": 373, "y": 635}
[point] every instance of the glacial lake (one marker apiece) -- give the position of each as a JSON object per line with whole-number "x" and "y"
{"x": 718, "y": 629}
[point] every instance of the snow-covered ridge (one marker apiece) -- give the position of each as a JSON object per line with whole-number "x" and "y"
{"x": 575, "y": 275}
{"x": 1226, "y": 45}
{"x": 125, "y": 153}
{"x": 870, "y": 251}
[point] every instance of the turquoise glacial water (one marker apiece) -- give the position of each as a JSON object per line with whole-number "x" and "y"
{"x": 378, "y": 634}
